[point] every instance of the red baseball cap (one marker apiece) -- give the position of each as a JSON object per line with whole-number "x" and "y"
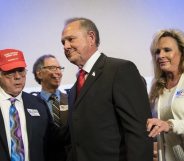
{"x": 11, "y": 59}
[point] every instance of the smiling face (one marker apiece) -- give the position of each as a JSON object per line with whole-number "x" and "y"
{"x": 50, "y": 80}
{"x": 13, "y": 81}
{"x": 168, "y": 55}
{"x": 78, "y": 44}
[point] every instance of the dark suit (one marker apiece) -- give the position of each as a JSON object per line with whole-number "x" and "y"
{"x": 108, "y": 118}
{"x": 37, "y": 127}
{"x": 58, "y": 152}
{"x": 64, "y": 114}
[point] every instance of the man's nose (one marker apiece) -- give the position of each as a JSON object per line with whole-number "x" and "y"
{"x": 17, "y": 74}
{"x": 67, "y": 45}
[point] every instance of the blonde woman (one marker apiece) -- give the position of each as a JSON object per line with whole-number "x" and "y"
{"x": 167, "y": 94}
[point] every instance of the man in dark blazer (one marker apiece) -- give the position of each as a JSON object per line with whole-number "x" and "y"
{"x": 48, "y": 73}
{"x": 36, "y": 129}
{"x": 35, "y": 120}
{"x": 108, "y": 117}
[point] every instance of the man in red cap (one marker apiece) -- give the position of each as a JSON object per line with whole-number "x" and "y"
{"x": 24, "y": 119}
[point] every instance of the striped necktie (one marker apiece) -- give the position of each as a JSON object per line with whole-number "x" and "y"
{"x": 17, "y": 146}
{"x": 55, "y": 109}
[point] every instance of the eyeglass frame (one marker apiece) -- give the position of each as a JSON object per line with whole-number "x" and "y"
{"x": 53, "y": 68}
{"x": 11, "y": 73}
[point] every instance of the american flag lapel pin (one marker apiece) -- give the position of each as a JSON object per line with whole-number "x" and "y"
{"x": 93, "y": 74}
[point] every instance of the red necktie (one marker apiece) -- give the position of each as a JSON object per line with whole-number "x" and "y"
{"x": 80, "y": 80}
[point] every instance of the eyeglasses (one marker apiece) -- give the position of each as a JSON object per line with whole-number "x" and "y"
{"x": 53, "y": 68}
{"x": 10, "y": 74}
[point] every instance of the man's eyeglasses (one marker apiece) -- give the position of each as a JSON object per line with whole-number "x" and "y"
{"x": 53, "y": 68}
{"x": 10, "y": 74}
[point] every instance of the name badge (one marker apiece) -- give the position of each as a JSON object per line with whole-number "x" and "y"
{"x": 63, "y": 107}
{"x": 33, "y": 112}
{"x": 180, "y": 93}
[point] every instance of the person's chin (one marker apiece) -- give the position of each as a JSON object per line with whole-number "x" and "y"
{"x": 74, "y": 62}
{"x": 18, "y": 86}
{"x": 165, "y": 69}
{"x": 73, "y": 59}
{"x": 56, "y": 84}
{"x": 16, "y": 92}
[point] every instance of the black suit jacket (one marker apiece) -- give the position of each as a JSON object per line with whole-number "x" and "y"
{"x": 57, "y": 151}
{"x": 108, "y": 119}
{"x": 60, "y": 152}
{"x": 37, "y": 127}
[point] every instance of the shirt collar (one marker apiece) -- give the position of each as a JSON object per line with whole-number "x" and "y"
{"x": 6, "y": 96}
{"x": 91, "y": 61}
{"x": 46, "y": 95}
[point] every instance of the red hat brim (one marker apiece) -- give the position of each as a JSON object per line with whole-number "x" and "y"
{"x": 13, "y": 65}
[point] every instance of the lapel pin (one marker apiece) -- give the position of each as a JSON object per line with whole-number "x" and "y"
{"x": 93, "y": 74}
{"x": 180, "y": 93}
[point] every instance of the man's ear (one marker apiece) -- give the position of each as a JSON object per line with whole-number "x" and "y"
{"x": 39, "y": 74}
{"x": 92, "y": 37}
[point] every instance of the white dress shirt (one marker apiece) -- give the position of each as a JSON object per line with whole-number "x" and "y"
{"x": 4, "y": 107}
{"x": 91, "y": 61}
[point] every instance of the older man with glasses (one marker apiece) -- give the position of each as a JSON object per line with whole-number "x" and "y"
{"x": 48, "y": 74}
{"x": 24, "y": 119}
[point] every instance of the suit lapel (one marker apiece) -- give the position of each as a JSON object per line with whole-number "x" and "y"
{"x": 94, "y": 74}
{"x": 3, "y": 139}
{"x": 64, "y": 99}
{"x": 72, "y": 96}
{"x": 28, "y": 117}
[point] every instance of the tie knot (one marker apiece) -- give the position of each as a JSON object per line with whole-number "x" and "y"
{"x": 53, "y": 97}
{"x": 80, "y": 80}
{"x": 82, "y": 72}
{"x": 12, "y": 100}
